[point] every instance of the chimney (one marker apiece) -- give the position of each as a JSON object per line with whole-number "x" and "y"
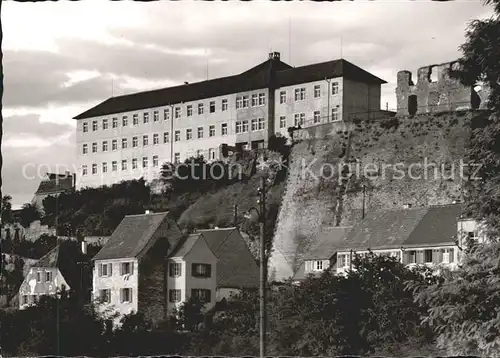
{"x": 186, "y": 83}
{"x": 147, "y": 212}
{"x": 84, "y": 247}
{"x": 407, "y": 206}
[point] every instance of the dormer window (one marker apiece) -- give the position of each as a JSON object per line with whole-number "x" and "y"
{"x": 318, "y": 265}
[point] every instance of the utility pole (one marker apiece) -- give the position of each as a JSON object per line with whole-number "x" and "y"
{"x": 235, "y": 215}
{"x": 364, "y": 190}
{"x": 263, "y": 277}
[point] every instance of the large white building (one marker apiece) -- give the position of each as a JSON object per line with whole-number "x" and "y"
{"x": 131, "y": 136}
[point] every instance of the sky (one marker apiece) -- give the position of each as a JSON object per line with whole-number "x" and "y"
{"x": 62, "y": 58}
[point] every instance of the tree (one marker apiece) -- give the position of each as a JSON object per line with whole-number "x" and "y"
{"x": 28, "y": 214}
{"x": 6, "y": 214}
{"x": 465, "y": 305}
{"x": 480, "y": 63}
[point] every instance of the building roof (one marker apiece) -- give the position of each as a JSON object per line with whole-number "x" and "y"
{"x": 131, "y": 236}
{"x": 55, "y": 183}
{"x": 269, "y": 74}
{"x": 406, "y": 227}
{"x": 236, "y": 266}
{"x": 186, "y": 245}
{"x": 327, "y": 243}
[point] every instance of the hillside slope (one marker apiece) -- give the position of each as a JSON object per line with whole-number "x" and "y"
{"x": 311, "y": 202}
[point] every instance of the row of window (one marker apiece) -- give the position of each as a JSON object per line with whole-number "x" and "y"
{"x": 299, "y": 119}
{"x": 156, "y": 139}
{"x": 47, "y": 275}
{"x": 106, "y": 270}
{"x": 256, "y": 100}
{"x": 203, "y": 295}
{"x": 300, "y": 93}
{"x": 125, "y": 295}
{"x": 124, "y": 165}
{"x": 257, "y": 124}
{"x": 197, "y": 270}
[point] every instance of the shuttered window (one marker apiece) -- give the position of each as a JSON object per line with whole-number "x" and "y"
{"x": 126, "y": 295}
{"x": 201, "y": 270}
{"x": 127, "y": 268}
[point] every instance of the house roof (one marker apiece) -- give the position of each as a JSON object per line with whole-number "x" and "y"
{"x": 406, "y": 227}
{"x": 56, "y": 183}
{"x": 236, "y": 266}
{"x": 65, "y": 257}
{"x": 186, "y": 245}
{"x": 327, "y": 243}
{"x": 270, "y": 73}
{"x": 131, "y": 236}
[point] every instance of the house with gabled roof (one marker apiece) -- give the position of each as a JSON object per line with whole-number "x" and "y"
{"x": 322, "y": 254}
{"x": 55, "y": 272}
{"x": 415, "y": 236}
{"x": 237, "y": 269}
{"x": 53, "y": 184}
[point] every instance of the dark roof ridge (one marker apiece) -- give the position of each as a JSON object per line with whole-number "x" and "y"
{"x": 151, "y": 213}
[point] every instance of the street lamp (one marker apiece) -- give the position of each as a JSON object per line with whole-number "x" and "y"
{"x": 261, "y": 213}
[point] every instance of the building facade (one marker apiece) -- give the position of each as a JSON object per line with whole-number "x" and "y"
{"x": 131, "y": 136}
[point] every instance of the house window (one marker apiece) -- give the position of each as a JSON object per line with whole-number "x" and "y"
{"x": 317, "y": 117}
{"x": 448, "y": 255}
{"x": 104, "y": 124}
{"x": 105, "y": 295}
{"x": 145, "y": 118}
{"x": 335, "y": 88}
{"x": 245, "y": 126}
{"x": 84, "y": 170}
{"x": 135, "y": 142}
{"x": 48, "y": 276}
{"x": 177, "y": 136}
{"x": 428, "y": 256}
{"x": 127, "y": 268}
{"x": 156, "y": 116}
{"x": 126, "y": 295}
{"x": 223, "y": 128}
{"x": 174, "y": 296}
{"x": 124, "y": 121}
{"x": 177, "y": 112}
{"x": 114, "y": 144}
{"x": 155, "y": 161}
{"x": 412, "y": 257}
{"x": 198, "y": 153}
{"x": 203, "y": 295}
{"x": 200, "y": 132}
{"x": 319, "y": 265}
{"x": 114, "y": 165}
{"x": 94, "y": 147}
{"x": 282, "y": 122}
{"x": 239, "y": 102}
{"x": 134, "y": 163}
{"x": 335, "y": 114}
{"x": 145, "y": 140}
{"x": 177, "y": 157}
{"x": 124, "y": 164}
{"x": 300, "y": 94}
{"x": 124, "y": 143}
{"x": 165, "y": 137}
{"x": 104, "y": 167}
{"x": 189, "y": 110}
{"x": 189, "y": 134}
{"x": 85, "y": 127}
{"x": 135, "y": 119}
{"x": 211, "y": 131}
{"x": 282, "y": 97}
{"x": 175, "y": 269}
{"x": 144, "y": 162}
{"x": 166, "y": 114}
{"x": 317, "y": 91}
{"x": 201, "y": 270}
{"x": 253, "y": 124}
{"x": 299, "y": 118}
{"x": 262, "y": 124}
{"x": 200, "y": 108}
{"x": 262, "y": 99}
{"x": 212, "y": 106}
{"x": 38, "y": 276}
{"x": 105, "y": 270}
{"x": 115, "y": 123}
{"x": 156, "y": 139}
{"x": 85, "y": 148}
{"x": 94, "y": 168}
{"x": 344, "y": 261}
{"x": 246, "y": 101}
{"x": 255, "y": 100}
{"x": 239, "y": 127}
{"x": 105, "y": 146}
{"x": 224, "y": 105}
